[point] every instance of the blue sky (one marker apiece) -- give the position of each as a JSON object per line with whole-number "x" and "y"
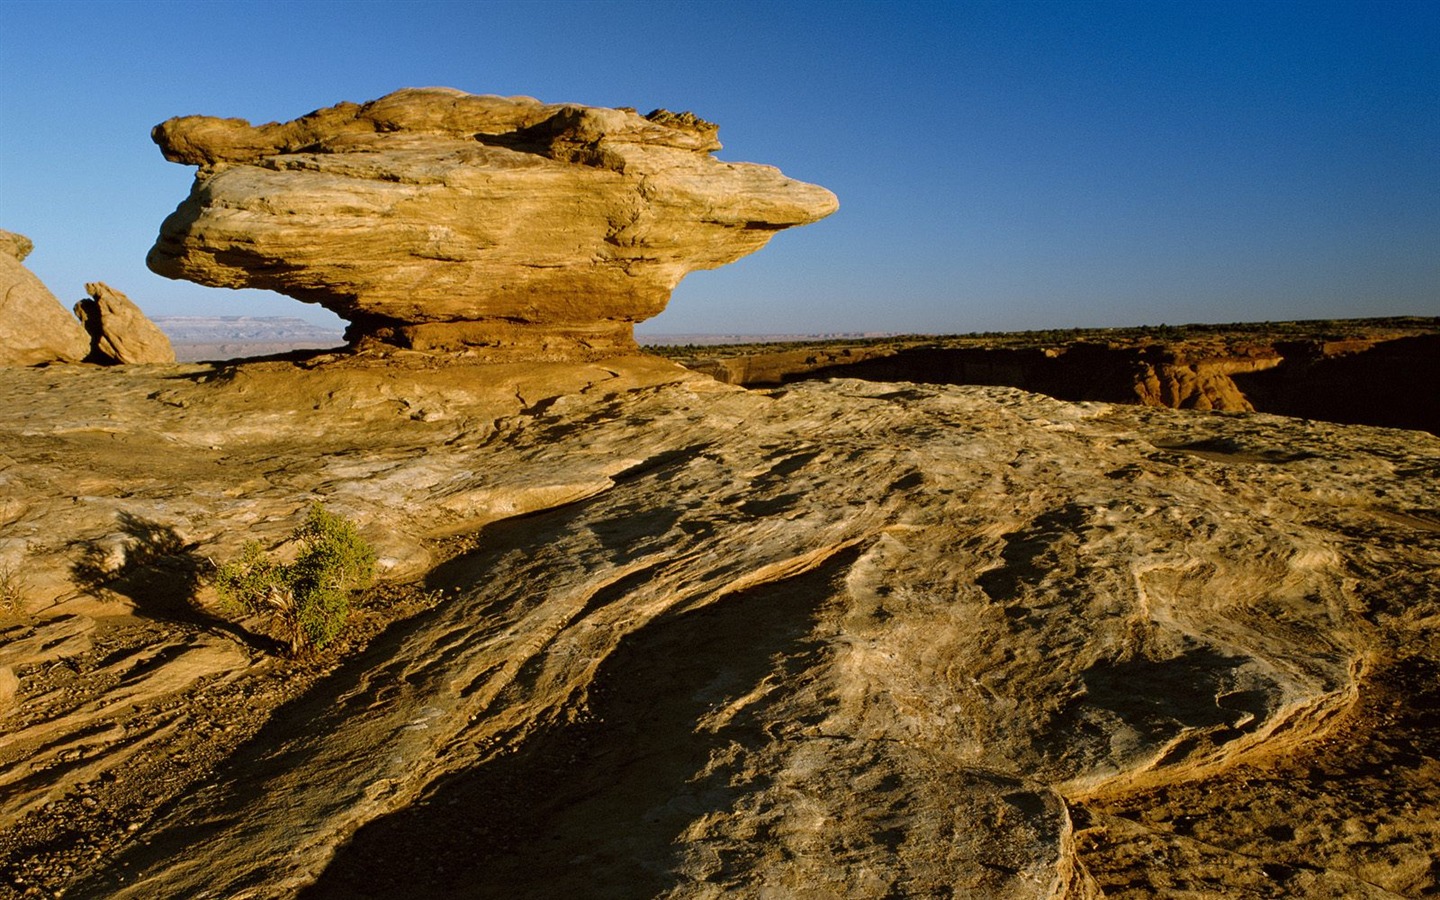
{"x": 1008, "y": 165}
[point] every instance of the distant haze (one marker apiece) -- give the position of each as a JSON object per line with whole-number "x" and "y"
{"x": 228, "y": 337}
{"x": 194, "y": 329}
{"x": 209, "y": 337}
{"x": 1000, "y": 165}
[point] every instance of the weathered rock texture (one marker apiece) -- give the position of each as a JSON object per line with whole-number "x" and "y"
{"x": 119, "y": 331}
{"x": 432, "y": 218}
{"x": 843, "y": 639}
{"x": 34, "y": 327}
{"x": 16, "y": 245}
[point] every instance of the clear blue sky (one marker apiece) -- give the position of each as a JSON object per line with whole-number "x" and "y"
{"x": 1000, "y": 165}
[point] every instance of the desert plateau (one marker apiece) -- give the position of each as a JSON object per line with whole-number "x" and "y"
{"x": 1127, "y": 614}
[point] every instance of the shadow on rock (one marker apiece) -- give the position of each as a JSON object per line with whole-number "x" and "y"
{"x": 159, "y": 571}
{"x": 597, "y": 807}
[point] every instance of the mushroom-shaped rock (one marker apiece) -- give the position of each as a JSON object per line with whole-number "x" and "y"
{"x": 119, "y": 331}
{"x": 436, "y": 219}
{"x": 34, "y": 326}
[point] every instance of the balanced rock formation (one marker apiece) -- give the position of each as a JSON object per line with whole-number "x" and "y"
{"x": 119, "y": 331}
{"x": 436, "y": 219}
{"x": 34, "y": 326}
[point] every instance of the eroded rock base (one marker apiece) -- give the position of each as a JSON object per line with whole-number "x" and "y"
{"x": 498, "y": 341}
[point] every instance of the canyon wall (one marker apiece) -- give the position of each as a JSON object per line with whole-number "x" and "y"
{"x": 1391, "y": 383}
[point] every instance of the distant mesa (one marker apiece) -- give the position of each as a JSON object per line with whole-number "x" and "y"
{"x": 434, "y": 219}
{"x": 198, "y": 338}
{"x": 245, "y": 329}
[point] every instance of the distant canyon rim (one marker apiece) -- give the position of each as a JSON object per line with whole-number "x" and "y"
{"x": 645, "y": 633}
{"x": 1361, "y": 371}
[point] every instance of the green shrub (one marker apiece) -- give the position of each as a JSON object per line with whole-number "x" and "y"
{"x": 309, "y": 598}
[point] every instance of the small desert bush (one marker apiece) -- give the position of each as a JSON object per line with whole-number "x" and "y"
{"x": 310, "y": 597}
{"x": 12, "y": 591}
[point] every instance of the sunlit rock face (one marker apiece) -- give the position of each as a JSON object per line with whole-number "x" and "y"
{"x": 119, "y": 331}
{"x": 436, "y": 219}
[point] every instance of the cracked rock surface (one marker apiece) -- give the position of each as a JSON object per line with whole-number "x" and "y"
{"x": 687, "y": 640}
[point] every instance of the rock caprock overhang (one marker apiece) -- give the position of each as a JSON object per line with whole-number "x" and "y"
{"x": 434, "y": 219}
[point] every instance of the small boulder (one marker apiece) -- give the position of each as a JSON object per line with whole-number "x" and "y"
{"x": 34, "y": 327}
{"x": 119, "y": 331}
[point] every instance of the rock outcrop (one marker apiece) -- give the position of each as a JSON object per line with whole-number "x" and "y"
{"x": 846, "y": 638}
{"x": 16, "y": 245}
{"x": 34, "y": 326}
{"x": 436, "y": 219}
{"x": 119, "y": 331}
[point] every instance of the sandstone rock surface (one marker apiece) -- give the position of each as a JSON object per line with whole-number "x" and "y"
{"x": 34, "y": 327}
{"x": 119, "y": 331}
{"x": 847, "y": 638}
{"x": 16, "y": 245}
{"x": 432, "y": 218}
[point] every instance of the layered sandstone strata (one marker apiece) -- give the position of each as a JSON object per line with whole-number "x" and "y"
{"x": 436, "y": 219}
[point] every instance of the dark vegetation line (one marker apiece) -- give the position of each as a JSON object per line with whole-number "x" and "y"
{"x": 1307, "y": 329}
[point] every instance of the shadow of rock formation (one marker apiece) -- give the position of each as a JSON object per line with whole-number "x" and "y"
{"x": 1391, "y": 383}
{"x": 594, "y": 807}
{"x": 159, "y": 571}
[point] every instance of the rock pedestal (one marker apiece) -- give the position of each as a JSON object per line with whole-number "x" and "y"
{"x": 436, "y": 219}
